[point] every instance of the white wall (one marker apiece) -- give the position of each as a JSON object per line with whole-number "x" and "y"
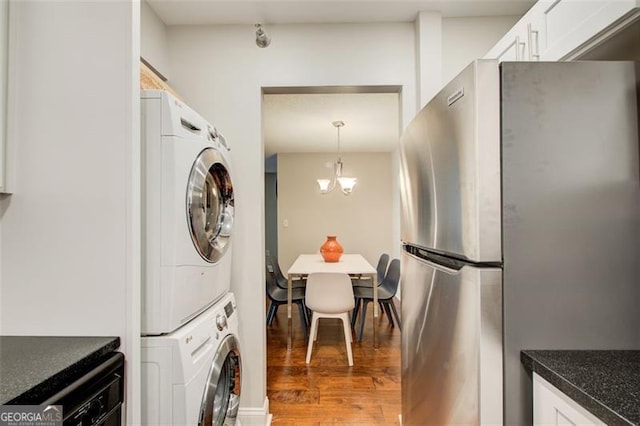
{"x": 4, "y": 44}
{"x": 153, "y": 40}
{"x": 466, "y": 39}
{"x": 70, "y": 231}
{"x": 428, "y": 55}
{"x": 361, "y": 220}
{"x": 220, "y": 71}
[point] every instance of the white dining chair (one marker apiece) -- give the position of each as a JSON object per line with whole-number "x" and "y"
{"x": 330, "y": 295}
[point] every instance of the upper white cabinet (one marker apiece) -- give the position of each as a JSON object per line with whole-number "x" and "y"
{"x": 568, "y": 27}
{"x": 563, "y": 29}
{"x": 522, "y": 42}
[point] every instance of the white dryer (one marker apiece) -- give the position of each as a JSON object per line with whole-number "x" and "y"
{"x": 187, "y": 213}
{"x": 193, "y": 375}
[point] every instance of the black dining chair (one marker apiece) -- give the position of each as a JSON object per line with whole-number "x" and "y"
{"x": 386, "y": 293}
{"x": 381, "y": 270}
{"x": 278, "y": 296}
{"x": 273, "y": 266}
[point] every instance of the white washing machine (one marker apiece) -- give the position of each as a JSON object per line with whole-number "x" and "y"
{"x": 193, "y": 375}
{"x": 187, "y": 213}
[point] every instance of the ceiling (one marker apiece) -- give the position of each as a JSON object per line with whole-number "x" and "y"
{"x": 301, "y": 122}
{"x": 218, "y": 12}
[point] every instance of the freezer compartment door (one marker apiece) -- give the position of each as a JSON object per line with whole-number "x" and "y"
{"x": 451, "y": 343}
{"x": 450, "y": 163}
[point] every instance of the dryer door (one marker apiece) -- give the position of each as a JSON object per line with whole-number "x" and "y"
{"x": 210, "y": 205}
{"x": 221, "y": 398}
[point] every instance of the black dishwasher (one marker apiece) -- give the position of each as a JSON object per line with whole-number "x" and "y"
{"x": 96, "y": 397}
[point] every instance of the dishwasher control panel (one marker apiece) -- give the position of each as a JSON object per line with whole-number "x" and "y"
{"x": 95, "y": 398}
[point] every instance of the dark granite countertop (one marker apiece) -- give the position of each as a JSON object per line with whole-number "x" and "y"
{"x": 33, "y": 368}
{"x": 606, "y": 383}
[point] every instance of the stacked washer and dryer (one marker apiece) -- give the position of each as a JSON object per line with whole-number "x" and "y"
{"x": 191, "y": 365}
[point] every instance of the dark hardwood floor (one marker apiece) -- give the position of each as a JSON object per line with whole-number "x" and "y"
{"x": 328, "y": 391}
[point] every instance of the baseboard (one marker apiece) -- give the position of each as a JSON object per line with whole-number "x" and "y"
{"x": 250, "y": 416}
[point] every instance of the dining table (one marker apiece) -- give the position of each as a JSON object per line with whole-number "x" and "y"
{"x": 352, "y": 264}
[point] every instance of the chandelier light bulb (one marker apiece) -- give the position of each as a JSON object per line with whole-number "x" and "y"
{"x": 347, "y": 184}
{"x": 324, "y": 185}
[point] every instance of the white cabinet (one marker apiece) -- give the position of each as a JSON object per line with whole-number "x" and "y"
{"x": 554, "y": 30}
{"x": 553, "y": 407}
{"x": 569, "y": 27}
{"x": 522, "y": 42}
{"x": 512, "y": 48}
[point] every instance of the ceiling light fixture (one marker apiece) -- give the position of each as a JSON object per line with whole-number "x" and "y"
{"x": 262, "y": 39}
{"x": 346, "y": 183}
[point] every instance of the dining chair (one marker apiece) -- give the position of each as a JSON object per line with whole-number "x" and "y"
{"x": 278, "y": 296}
{"x": 330, "y": 295}
{"x": 367, "y": 282}
{"x": 273, "y": 266}
{"x": 381, "y": 270}
{"x": 386, "y": 293}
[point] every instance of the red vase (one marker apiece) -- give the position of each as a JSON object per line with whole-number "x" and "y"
{"x": 331, "y": 250}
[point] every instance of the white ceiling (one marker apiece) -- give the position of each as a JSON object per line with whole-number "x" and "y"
{"x": 301, "y": 122}
{"x": 219, "y": 12}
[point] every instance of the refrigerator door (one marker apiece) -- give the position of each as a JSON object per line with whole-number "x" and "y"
{"x": 451, "y": 341}
{"x": 451, "y": 169}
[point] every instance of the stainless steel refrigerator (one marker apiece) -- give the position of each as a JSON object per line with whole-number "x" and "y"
{"x": 521, "y": 230}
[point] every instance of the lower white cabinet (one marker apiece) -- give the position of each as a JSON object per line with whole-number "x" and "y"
{"x": 552, "y": 407}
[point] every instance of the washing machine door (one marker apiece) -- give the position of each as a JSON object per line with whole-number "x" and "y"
{"x": 221, "y": 398}
{"x": 210, "y": 205}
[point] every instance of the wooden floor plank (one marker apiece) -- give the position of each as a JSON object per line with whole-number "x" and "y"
{"x": 327, "y": 391}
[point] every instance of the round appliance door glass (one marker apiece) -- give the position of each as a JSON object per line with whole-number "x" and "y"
{"x": 210, "y": 205}
{"x": 221, "y": 398}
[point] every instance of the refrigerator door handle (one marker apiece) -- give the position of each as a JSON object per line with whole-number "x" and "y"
{"x": 440, "y": 262}
{"x": 435, "y": 265}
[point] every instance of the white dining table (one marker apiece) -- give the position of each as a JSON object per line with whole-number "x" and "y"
{"x": 352, "y": 264}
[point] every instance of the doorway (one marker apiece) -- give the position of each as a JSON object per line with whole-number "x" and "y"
{"x": 301, "y": 146}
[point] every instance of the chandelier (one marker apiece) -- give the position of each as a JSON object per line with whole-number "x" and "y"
{"x": 346, "y": 183}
